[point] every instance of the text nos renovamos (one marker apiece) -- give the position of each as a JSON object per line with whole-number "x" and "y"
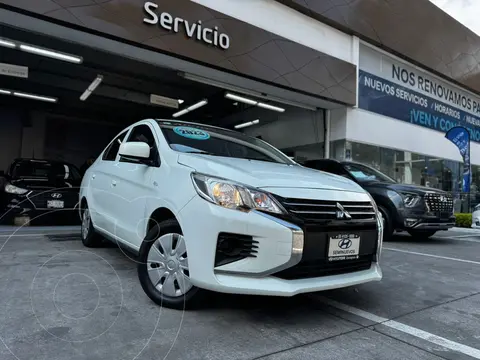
{"x": 421, "y": 117}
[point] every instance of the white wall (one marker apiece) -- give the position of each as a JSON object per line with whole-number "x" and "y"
{"x": 371, "y": 128}
{"x": 338, "y": 124}
{"x": 279, "y": 19}
{"x": 295, "y": 127}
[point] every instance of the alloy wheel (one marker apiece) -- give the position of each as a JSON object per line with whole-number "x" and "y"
{"x": 167, "y": 265}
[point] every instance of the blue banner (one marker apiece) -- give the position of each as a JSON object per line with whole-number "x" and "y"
{"x": 390, "y": 99}
{"x": 461, "y": 138}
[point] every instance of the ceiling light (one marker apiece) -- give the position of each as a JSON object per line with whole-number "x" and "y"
{"x": 34, "y": 97}
{"x": 51, "y": 54}
{"x": 7, "y": 43}
{"x": 244, "y": 125}
{"x": 180, "y": 101}
{"x": 253, "y": 102}
{"x": 5, "y": 92}
{"x": 244, "y": 91}
{"x": 190, "y": 108}
{"x": 241, "y": 99}
{"x": 91, "y": 88}
{"x": 270, "y": 107}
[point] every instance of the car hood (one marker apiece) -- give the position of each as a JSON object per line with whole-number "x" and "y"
{"x": 414, "y": 189}
{"x": 263, "y": 174}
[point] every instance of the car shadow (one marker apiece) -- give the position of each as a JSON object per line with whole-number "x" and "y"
{"x": 407, "y": 238}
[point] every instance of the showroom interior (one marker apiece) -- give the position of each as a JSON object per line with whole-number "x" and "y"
{"x": 64, "y": 101}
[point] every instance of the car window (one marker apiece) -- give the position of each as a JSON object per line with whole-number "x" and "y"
{"x": 44, "y": 169}
{"x": 366, "y": 173}
{"x": 110, "y": 153}
{"x": 219, "y": 142}
{"x": 142, "y": 133}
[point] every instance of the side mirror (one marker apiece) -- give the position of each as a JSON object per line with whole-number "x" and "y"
{"x": 135, "y": 151}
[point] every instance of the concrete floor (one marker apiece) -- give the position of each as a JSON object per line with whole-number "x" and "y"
{"x": 59, "y": 300}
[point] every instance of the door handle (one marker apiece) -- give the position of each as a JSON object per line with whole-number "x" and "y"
{"x": 114, "y": 183}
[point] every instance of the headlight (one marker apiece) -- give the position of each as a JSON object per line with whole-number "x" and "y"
{"x": 233, "y": 195}
{"x": 410, "y": 200}
{"x": 12, "y": 189}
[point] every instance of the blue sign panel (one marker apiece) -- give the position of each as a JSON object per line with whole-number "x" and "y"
{"x": 461, "y": 138}
{"x": 390, "y": 99}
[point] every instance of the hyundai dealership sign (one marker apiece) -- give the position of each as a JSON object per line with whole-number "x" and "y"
{"x": 392, "y": 88}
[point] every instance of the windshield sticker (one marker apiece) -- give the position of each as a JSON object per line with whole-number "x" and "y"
{"x": 191, "y": 133}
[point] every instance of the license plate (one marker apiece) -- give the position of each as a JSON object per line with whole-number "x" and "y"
{"x": 344, "y": 247}
{"x": 57, "y": 204}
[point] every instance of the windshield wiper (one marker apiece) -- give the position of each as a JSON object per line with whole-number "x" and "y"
{"x": 201, "y": 152}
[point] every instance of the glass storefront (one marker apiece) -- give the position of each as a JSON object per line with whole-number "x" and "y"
{"x": 411, "y": 168}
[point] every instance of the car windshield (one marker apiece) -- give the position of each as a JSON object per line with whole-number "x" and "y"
{"x": 43, "y": 169}
{"x": 210, "y": 141}
{"x": 366, "y": 173}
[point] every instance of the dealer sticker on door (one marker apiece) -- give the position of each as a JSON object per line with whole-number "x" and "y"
{"x": 344, "y": 247}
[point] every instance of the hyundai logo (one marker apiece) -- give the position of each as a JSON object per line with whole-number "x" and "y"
{"x": 56, "y": 195}
{"x": 345, "y": 244}
{"x": 342, "y": 213}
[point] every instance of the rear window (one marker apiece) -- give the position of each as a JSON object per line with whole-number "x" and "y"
{"x": 40, "y": 169}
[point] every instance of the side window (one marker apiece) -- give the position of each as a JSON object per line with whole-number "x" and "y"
{"x": 143, "y": 133}
{"x": 111, "y": 152}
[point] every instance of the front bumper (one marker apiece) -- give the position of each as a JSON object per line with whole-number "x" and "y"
{"x": 280, "y": 247}
{"x": 422, "y": 220}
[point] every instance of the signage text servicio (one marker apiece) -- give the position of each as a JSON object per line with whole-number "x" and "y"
{"x": 194, "y": 30}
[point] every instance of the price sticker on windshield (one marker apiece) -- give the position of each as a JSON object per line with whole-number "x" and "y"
{"x": 191, "y": 133}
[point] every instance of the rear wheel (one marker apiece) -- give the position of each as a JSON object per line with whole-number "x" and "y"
{"x": 422, "y": 234}
{"x": 163, "y": 268}
{"x": 90, "y": 238}
{"x": 387, "y": 223}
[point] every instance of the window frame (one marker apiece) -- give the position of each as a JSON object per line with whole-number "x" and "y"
{"x": 109, "y": 147}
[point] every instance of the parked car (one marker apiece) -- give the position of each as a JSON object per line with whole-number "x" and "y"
{"x": 419, "y": 210}
{"x": 476, "y": 217}
{"x": 33, "y": 188}
{"x": 209, "y": 208}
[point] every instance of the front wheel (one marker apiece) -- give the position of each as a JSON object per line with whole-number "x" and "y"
{"x": 90, "y": 238}
{"x": 422, "y": 234}
{"x": 163, "y": 267}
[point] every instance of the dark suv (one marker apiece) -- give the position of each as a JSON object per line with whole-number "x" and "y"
{"x": 422, "y": 211}
{"x": 34, "y": 187}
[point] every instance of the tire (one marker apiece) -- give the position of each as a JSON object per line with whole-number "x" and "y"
{"x": 422, "y": 234}
{"x": 90, "y": 238}
{"x": 388, "y": 227}
{"x": 173, "y": 274}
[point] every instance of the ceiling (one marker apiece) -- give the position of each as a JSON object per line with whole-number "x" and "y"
{"x": 124, "y": 94}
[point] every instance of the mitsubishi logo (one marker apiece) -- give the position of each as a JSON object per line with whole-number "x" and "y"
{"x": 56, "y": 195}
{"x": 442, "y": 198}
{"x": 342, "y": 213}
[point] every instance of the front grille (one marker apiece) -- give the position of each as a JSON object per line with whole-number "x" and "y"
{"x": 314, "y": 210}
{"x": 40, "y": 198}
{"x": 310, "y": 269}
{"x": 439, "y": 203}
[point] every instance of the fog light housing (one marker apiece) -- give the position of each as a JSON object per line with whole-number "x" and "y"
{"x": 410, "y": 222}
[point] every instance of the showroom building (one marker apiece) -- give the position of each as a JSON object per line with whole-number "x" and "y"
{"x": 362, "y": 80}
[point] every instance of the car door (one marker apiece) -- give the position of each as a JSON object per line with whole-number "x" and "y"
{"x": 103, "y": 199}
{"x": 132, "y": 184}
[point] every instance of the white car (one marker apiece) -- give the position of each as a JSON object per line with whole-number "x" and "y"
{"x": 476, "y": 217}
{"x": 212, "y": 209}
